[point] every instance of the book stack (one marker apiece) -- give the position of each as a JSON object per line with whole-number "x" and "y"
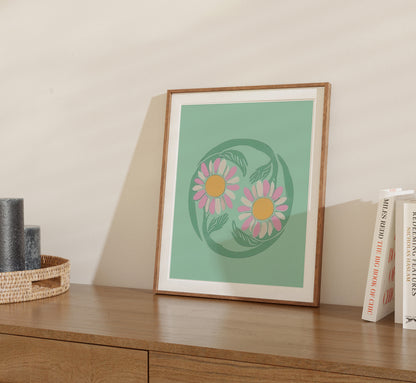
{"x": 391, "y": 281}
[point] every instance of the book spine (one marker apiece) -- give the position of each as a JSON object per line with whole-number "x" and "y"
{"x": 379, "y": 256}
{"x": 398, "y": 280}
{"x": 409, "y": 266}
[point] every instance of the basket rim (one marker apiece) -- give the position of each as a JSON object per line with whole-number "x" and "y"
{"x": 29, "y": 285}
{"x": 61, "y": 262}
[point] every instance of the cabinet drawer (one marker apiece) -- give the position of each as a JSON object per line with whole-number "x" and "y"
{"x": 167, "y": 368}
{"x": 24, "y": 359}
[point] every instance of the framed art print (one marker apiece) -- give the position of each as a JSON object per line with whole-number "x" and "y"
{"x": 243, "y": 192}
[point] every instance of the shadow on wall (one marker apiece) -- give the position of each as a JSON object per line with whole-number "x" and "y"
{"x": 127, "y": 258}
{"x": 348, "y": 235}
{"x": 128, "y": 255}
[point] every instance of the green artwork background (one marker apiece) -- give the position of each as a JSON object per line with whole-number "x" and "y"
{"x": 286, "y": 128}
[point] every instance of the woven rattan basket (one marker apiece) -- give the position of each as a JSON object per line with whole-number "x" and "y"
{"x": 51, "y": 279}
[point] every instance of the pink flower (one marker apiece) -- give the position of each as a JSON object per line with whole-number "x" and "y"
{"x": 262, "y": 209}
{"x": 215, "y": 185}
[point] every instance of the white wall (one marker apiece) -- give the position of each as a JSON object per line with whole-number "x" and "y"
{"x": 82, "y": 102}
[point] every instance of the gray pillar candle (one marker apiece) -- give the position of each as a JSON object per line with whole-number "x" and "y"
{"x": 32, "y": 247}
{"x": 12, "y": 244}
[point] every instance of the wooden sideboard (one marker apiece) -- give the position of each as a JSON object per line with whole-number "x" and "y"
{"x": 107, "y": 334}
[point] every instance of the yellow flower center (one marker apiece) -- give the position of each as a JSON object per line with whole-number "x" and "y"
{"x": 215, "y": 186}
{"x": 263, "y": 208}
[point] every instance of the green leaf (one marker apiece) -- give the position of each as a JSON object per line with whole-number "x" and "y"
{"x": 261, "y": 173}
{"x": 244, "y": 239}
{"x": 217, "y": 223}
{"x": 237, "y": 157}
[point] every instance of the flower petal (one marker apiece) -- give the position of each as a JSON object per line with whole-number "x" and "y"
{"x": 216, "y": 164}
{"x": 231, "y": 172}
{"x": 256, "y": 230}
{"x": 244, "y": 216}
{"x": 246, "y": 202}
{"x": 217, "y": 205}
{"x": 279, "y": 215}
{"x": 199, "y": 194}
{"x": 228, "y": 201}
{"x": 271, "y": 189}
{"x": 202, "y": 201}
{"x": 221, "y": 167}
{"x": 198, "y": 181}
{"x": 211, "y": 168}
{"x": 246, "y": 223}
{"x": 201, "y": 176}
{"x": 266, "y": 187}
{"x": 234, "y": 180}
{"x": 222, "y": 204}
{"x": 204, "y": 169}
{"x": 212, "y": 206}
{"x": 230, "y": 193}
{"x": 270, "y": 229}
{"x": 259, "y": 187}
{"x": 233, "y": 187}
{"x": 243, "y": 208}
{"x": 207, "y": 205}
{"x": 254, "y": 191}
{"x": 276, "y": 223}
{"x": 263, "y": 229}
{"x": 277, "y": 193}
{"x": 282, "y": 207}
{"x": 197, "y": 187}
{"x": 281, "y": 200}
{"x": 248, "y": 194}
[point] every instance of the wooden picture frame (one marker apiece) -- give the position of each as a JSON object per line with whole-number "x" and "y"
{"x": 243, "y": 192}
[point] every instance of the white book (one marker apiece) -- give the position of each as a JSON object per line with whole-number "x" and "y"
{"x": 398, "y": 280}
{"x": 409, "y": 265}
{"x": 379, "y": 293}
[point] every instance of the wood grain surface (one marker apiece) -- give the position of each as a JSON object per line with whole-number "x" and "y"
{"x": 24, "y": 359}
{"x": 329, "y": 338}
{"x": 170, "y": 368}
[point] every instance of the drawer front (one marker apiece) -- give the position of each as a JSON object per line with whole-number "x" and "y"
{"x": 167, "y": 368}
{"x": 24, "y": 359}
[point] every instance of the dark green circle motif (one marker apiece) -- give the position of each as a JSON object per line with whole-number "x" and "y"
{"x": 240, "y": 243}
